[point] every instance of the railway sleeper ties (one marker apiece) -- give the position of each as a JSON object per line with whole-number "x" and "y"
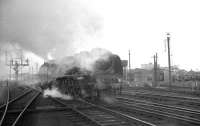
{"x": 195, "y": 100}
{"x": 21, "y": 112}
{"x": 103, "y": 118}
{"x": 16, "y": 98}
{"x": 96, "y": 117}
{"x": 122, "y": 115}
{"x": 165, "y": 114}
{"x": 80, "y": 113}
{"x": 193, "y": 104}
{"x": 170, "y": 107}
{"x": 160, "y": 109}
{"x": 165, "y": 93}
{"x": 6, "y": 105}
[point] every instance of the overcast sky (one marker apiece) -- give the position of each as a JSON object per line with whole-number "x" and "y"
{"x": 138, "y": 25}
{"x": 141, "y": 26}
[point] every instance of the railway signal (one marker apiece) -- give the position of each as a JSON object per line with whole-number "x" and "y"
{"x": 16, "y": 64}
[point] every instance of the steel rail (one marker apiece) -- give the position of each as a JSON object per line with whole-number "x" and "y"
{"x": 16, "y": 98}
{"x": 11, "y": 101}
{"x": 7, "y": 102}
{"x": 183, "y": 109}
{"x": 25, "y": 108}
{"x": 181, "y": 92}
{"x": 81, "y": 113}
{"x": 121, "y": 114}
{"x": 105, "y": 109}
{"x": 164, "y": 95}
{"x": 165, "y": 114}
{"x": 181, "y": 99}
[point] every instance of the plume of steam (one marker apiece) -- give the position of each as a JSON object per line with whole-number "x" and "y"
{"x": 54, "y": 92}
{"x": 47, "y": 27}
{"x": 99, "y": 64}
{"x": 83, "y": 60}
{"x": 13, "y": 52}
{"x": 7, "y": 52}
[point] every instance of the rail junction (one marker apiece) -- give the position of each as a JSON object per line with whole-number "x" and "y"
{"x": 24, "y": 105}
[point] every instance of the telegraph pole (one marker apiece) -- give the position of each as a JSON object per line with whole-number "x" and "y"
{"x": 155, "y": 70}
{"x": 129, "y": 60}
{"x": 169, "y": 59}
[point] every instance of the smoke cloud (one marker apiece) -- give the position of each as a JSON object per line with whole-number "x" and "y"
{"x": 54, "y": 92}
{"x": 49, "y": 28}
{"x": 12, "y": 51}
{"x": 85, "y": 61}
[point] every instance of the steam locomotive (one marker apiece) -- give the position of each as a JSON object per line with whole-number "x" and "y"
{"x": 85, "y": 86}
{"x": 105, "y": 80}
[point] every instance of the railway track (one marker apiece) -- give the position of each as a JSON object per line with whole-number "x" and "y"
{"x": 179, "y": 91}
{"x": 107, "y": 117}
{"x": 5, "y": 106}
{"x": 16, "y": 91}
{"x": 162, "y": 92}
{"x": 85, "y": 114}
{"x": 150, "y": 115}
{"x": 10, "y": 100}
{"x": 49, "y": 108}
{"x": 192, "y": 103}
{"x": 46, "y": 107}
{"x": 16, "y": 112}
{"x": 78, "y": 112}
{"x": 183, "y": 114}
{"x": 21, "y": 102}
{"x": 81, "y": 114}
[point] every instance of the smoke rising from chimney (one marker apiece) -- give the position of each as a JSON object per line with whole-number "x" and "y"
{"x": 84, "y": 60}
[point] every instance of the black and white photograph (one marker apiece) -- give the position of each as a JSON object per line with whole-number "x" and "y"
{"x": 99, "y": 63}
